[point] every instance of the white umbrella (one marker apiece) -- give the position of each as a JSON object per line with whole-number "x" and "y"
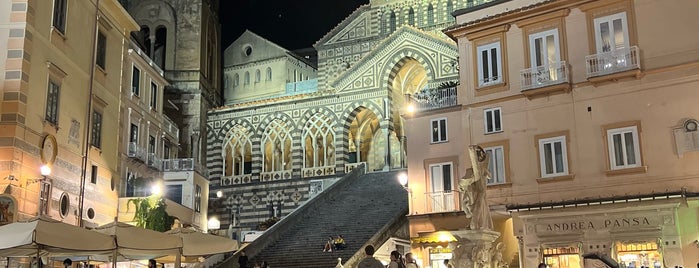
{"x": 136, "y": 243}
{"x": 45, "y": 236}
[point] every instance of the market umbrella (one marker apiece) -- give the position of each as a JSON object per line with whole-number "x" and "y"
{"x": 198, "y": 244}
{"x": 45, "y": 236}
{"x": 136, "y": 243}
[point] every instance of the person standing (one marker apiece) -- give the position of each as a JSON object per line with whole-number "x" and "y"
{"x": 369, "y": 261}
{"x": 447, "y": 264}
{"x": 396, "y": 260}
{"x": 409, "y": 261}
{"x": 243, "y": 260}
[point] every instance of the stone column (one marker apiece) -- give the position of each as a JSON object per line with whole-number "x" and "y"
{"x": 473, "y": 248}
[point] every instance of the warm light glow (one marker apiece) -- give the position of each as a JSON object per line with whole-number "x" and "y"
{"x": 403, "y": 179}
{"x": 156, "y": 189}
{"x": 213, "y": 224}
{"x": 410, "y": 108}
{"x": 444, "y": 236}
{"x": 219, "y": 194}
{"x": 45, "y": 170}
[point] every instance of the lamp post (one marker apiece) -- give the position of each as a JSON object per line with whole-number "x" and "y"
{"x": 403, "y": 180}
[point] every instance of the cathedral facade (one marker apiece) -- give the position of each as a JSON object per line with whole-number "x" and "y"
{"x": 288, "y": 128}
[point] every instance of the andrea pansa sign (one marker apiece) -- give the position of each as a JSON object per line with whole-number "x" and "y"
{"x": 582, "y": 224}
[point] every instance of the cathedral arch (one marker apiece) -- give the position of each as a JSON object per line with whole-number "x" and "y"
{"x": 158, "y": 15}
{"x": 362, "y": 137}
{"x": 400, "y": 58}
{"x": 318, "y": 141}
{"x": 276, "y": 142}
{"x": 237, "y": 151}
{"x": 430, "y": 15}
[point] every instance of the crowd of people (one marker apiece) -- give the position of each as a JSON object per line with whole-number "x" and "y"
{"x": 397, "y": 260}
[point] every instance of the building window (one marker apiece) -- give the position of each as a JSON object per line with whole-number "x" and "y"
{"x": 489, "y": 64}
{"x": 439, "y": 130}
{"x": 59, "y": 15}
{"x": 269, "y": 74}
{"x": 496, "y": 164}
{"x": 411, "y": 16}
{"x": 544, "y": 49}
{"x": 257, "y": 76}
{"x": 93, "y": 175}
{"x": 136, "y": 81}
{"x": 153, "y": 96}
{"x": 166, "y": 149}
{"x": 392, "y": 22}
{"x": 450, "y": 9}
{"x": 430, "y": 14}
{"x": 247, "y": 78}
{"x": 623, "y": 148}
{"x": 96, "y": 139}
{"x": 101, "y": 50}
{"x": 442, "y": 195}
{"x": 133, "y": 136}
{"x": 197, "y": 198}
{"x": 52, "y": 101}
{"x": 493, "y": 120}
{"x": 64, "y": 205}
{"x": 151, "y": 144}
{"x": 553, "y": 157}
{"x": 236, "y": 80}
{"x": 611, "y": 33}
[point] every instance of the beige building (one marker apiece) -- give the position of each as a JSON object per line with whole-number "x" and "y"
{"x": 587, "y": 111}
{"x": 62, "y": 63}
{"x": 148, "y": 146}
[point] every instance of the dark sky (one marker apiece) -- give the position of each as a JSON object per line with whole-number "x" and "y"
{"x": 293, "y": 24}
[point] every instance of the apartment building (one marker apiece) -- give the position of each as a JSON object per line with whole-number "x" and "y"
{"x": 587, "y": 111}
{"x": 62, "y": 63}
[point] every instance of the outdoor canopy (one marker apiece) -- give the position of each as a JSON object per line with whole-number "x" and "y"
{"x": 136, "y": 243}
{"x": 198, "y": 244}
{"x": 45, "y": 236}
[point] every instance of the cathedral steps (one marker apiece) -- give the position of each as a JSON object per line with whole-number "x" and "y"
{"x": 364, "y": 211}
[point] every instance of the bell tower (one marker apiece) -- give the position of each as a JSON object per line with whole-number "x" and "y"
{"x": 183, "y": 37}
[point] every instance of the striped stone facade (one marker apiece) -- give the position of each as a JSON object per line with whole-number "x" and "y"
{"x": 358, "y": 63}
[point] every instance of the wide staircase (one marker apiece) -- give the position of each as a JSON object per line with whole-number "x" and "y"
{"x": 364, "y": 209}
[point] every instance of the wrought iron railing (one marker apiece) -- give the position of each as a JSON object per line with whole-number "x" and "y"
{"x": 135, "y": 151}
{"x": 618, "y": 60}
{"x": 430, "y": 99}
{"x": 543, "y": 76}
{"x": 443, "y": 201}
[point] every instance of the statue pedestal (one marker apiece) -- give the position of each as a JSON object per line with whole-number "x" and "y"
{"x": 473, "y": 248}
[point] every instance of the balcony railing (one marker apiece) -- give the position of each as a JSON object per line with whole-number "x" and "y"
{"x": 543, "y": 76}
{"x": 135, "y": 151}
{"x": 183, "y": 164}
{"x": 300, "y": 87}
{"x": 430, "y": 99}
{"x": 613, "y": 62}
{"x": 318, "y": 171}
{"x": 153, "y": 161}
{"x": 275, "y": 175}
{"x": 170, "y": 127}
{"x": 443, "y": 201}
{"x": 236, "y": 179}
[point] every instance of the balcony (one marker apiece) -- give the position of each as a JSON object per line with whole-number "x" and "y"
{"x": 184, "y": 164}
{"x": 431, "y": 99}
{"x": 153, "y": 161}
{"x": 613, "y": 65}
{"x": 135, "y": 151}
{"x": 545, "y": 79}
{"x": 301, "y": 87}
{"x": 443, "y": 201}
{"x": 170, "y": 127}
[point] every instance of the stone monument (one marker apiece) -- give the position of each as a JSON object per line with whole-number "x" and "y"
{"x": 474, "y": 246}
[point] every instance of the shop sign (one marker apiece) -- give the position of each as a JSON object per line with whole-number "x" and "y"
{"x": 579, "y": 225}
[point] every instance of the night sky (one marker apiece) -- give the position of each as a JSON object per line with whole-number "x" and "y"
{"x": 292, "y": 24}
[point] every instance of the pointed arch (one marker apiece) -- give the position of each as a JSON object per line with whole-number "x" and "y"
{"x": 430, "y": 15}
{"x": 392, "y": 22}
{"x": 269, "y": 74}
{"x": 411, "y": 16}
{"x": 257, "y": 76}
{"x": 237, "y": 151}
{"x": 318, "y": 141}
{"x": 276, "y": 147}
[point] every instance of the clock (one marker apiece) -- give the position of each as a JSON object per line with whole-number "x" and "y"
{"x": 690, "y": 126}
{"x": 49, "y": 149}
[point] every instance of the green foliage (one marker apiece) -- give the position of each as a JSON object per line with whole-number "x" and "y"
{"x": 150, "y": 213}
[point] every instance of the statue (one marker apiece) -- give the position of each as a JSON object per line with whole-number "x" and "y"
{"x": 473, "y": 188}
{"x": 498, "y": 261}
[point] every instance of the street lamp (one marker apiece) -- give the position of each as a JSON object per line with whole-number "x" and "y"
{"x": 156, "y": 189}
{"x": 213, "y": 224}
{"x": 45, "y": 170}
{"x": 403, "y": 180}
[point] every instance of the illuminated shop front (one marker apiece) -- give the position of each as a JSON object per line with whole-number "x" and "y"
{"x": 638, "y": 234}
